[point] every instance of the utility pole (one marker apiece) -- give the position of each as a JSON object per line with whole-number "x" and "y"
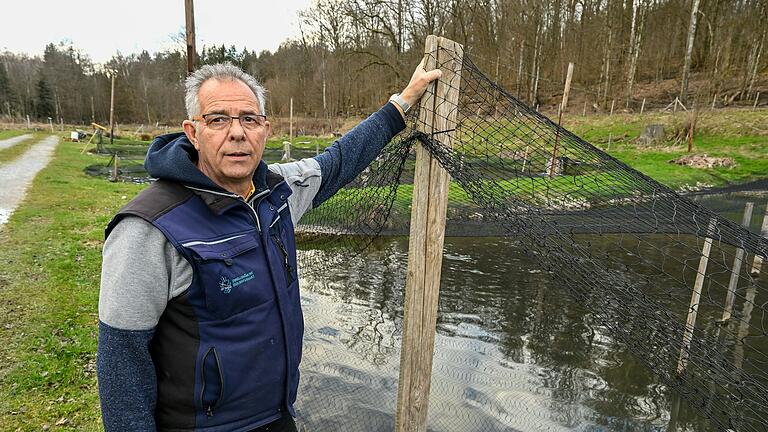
{"x": 112, "y": 112}
{"x": 189, "y": 10}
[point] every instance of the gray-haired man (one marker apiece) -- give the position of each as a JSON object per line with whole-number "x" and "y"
{"x": 200, "y": 324}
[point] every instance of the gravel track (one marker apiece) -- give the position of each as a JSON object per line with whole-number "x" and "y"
{"x": 10, "y": 142}
{"x": 17, "y": 175}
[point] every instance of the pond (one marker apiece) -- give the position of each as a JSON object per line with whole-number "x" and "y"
{"x": 513, "y": 350}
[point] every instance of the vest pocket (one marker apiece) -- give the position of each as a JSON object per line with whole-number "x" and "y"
{"x": 231, "y": 275}
{"x": 212, "y": 381}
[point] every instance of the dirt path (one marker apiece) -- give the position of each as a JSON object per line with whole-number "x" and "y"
{"x": 17, "y": 175}
{"x": 10, "y": 142}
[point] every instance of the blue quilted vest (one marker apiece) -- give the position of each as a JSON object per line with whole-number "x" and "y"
{"x": 227, "y": 350}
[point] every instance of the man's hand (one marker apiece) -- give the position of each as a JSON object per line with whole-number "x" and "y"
{"x": 418, "y": 85}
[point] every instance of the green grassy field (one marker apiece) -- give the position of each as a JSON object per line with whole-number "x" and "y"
{"x": 49, "y": 278}
{"x": 50, "y": 254}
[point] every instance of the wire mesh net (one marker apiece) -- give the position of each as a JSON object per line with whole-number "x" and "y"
{"x": 674, "y": 284}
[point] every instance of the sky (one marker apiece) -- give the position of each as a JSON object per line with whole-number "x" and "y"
{"x": 102, "y": 28}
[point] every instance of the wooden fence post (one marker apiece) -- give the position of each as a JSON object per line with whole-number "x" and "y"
{"x": 439, "y": 109}
{"x": 736, "y": 269}
{"x": 757, "y": 263}
{"x": 695, "y": 299}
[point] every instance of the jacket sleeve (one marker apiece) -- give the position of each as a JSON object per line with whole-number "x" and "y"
{"x": 352, "y": 153}
{"x": 137, "y": 279}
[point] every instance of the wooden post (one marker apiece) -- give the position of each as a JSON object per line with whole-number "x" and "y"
{"x": 642, "y": 107}
{"x": 29, "y": 124}
{"x": 566, "y": 91}
{"x": 690, "y": 323}
{"x": 290, "y": 122}
{"x": 525, "y": 158}
{"x": 286, "y": 152}
{"x": 714, "y": 99}
{"x": 189, "y": 12}
{"x": 613, "y": 102}
{"x": 757, "y": 262}
{"x": 736, "y": 269}
{"x": 430, "y": 196}
{"x": 757, "y": 98}
{"x": 114, "y": 167}
{"x": 50, "y": 122}
{"x": 584, "y": 110}
{"x": 112, "y": 111}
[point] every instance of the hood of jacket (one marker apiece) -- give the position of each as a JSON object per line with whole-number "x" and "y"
{"x": 173, "y": 157}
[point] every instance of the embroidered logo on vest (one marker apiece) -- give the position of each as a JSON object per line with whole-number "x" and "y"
{"x": 226, "y": 284}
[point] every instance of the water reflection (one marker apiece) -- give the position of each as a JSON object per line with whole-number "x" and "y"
{"x": 513, "y": 350}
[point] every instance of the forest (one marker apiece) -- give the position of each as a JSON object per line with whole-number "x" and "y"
{"x": 352, "y": 54}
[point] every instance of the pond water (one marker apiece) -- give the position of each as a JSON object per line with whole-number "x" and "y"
{"x": 513, "y": 350}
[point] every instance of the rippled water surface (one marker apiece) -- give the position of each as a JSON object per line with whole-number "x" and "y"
{"x": 513, "y": 350}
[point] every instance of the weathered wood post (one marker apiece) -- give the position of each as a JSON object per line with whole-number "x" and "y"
{"x": 554, "y": 167}
{"x": 112, "y": 111}
{"x": 749, "y": 301}
{"x": 736, "y": 268}
{"x": 189, "y": 19}
{"x": 757, "y": 263}
{"x": 695, "y": 299}
{"x": 437, "y": 115}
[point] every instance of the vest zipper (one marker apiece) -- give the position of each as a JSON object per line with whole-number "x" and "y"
{"x": 209, "y": 407}
{"x": 286, "y": 261}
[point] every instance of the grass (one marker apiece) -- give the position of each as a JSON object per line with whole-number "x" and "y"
{"x": 50, "y": 256}
{"x": 5, "y": 134}
{"x": 49, "y": 278}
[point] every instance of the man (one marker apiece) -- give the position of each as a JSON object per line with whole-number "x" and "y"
{"x": 200, "y": 323}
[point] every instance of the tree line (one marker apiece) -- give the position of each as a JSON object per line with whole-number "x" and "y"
{"x": 352, "y": 54}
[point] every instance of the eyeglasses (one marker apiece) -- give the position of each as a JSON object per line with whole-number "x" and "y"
{"x": 223, "y": 121}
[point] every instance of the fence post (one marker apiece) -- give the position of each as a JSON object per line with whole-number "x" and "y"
{"x": 757, "y": 262}
{"x": 693, "y": 310}
{"x": 749, "y": 302}
{"x": 642, "y": 107}
{"x": 736, "y": 269}
{"x": 425, "y": 251}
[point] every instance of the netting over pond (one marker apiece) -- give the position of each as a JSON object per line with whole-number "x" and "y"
{"x": 626, "y": 248}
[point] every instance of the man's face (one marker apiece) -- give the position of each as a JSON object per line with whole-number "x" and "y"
{"x": 228, "y": 156}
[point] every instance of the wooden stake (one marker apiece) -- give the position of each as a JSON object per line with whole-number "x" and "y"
{"x": 613, "y": 102}
{"x": 757, "y": 262}
{"x": 290, "y": 122}
{"x": 714, "y": 99}
{"x": 564, "y": 104}
{"x": 114, "y": 168}
{"x": 736, "y": 269}
{"x": 584, "y": 111}
{"x": 112, "y": 111}
{"x": 430, "y": 196}
{"x": 642, "y": 107}
{"x": 757, "y": 98}
{"x": 189, "y": 13}
{"x": 695, "y": 299}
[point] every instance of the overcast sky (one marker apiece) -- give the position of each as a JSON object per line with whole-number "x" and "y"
{"x": 101, "y": 28}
